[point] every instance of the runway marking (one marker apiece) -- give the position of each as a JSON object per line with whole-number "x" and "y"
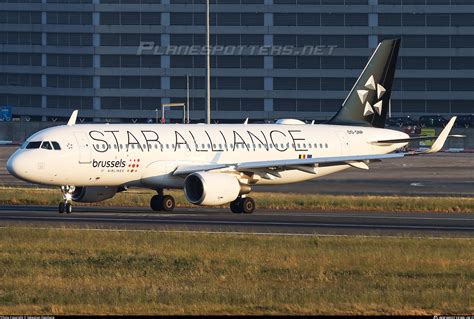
{"x": 199, "y": 212}
{"x": 263, "y": 215}
{"x": 309, "y": 214}
{"x": 239, "y": 233}
{"x": 251, "y": 223}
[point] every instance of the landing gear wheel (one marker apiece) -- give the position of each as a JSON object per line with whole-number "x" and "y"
{"x": 156, "y": 203}
{"x": 65, "y": 206}
{"x": 61, "y": 207}
{"x": 247, "y": 205}
{"x": 235, "y": 206}
{"x": 68, "y": 208}
{"x": 168, "y": 203}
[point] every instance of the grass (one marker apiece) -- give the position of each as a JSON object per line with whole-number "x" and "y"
{"x": 63, "y": 271}
{"x": 40, "y": 196}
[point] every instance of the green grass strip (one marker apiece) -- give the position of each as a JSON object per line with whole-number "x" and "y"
{"x": 62, "y": 271}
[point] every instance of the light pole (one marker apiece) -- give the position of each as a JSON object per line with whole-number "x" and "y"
{"x": 208, "y": 67}
{"x": 187, "y": 95}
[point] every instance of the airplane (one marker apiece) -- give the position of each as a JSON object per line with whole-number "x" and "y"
{"x": 219, "y": 163}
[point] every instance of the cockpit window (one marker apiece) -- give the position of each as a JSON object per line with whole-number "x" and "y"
{"x": 32, "y": 145}
{"x": 56, "y": 146}
{"x": 46, "y": 145}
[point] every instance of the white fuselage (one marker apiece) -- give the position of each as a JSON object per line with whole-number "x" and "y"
{"x": 146, "y": 155}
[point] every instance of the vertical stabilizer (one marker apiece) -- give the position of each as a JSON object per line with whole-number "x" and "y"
{"x": 367, "y": 102}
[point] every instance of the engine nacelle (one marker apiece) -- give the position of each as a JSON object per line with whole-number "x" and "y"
{"x": 92, "y": 194}
{"x": 204, "y": 188}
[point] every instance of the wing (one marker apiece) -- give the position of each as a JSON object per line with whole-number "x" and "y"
{"x": 309, "y": 165}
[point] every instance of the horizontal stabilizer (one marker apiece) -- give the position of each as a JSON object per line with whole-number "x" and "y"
{"x": 410, "y": 139}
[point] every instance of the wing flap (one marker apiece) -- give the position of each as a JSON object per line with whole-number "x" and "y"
{"x": 336, "y": 160}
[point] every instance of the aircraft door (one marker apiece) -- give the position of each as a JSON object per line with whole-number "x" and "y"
{"x": 84, "y": 147}
{"x": 345, "y": 146}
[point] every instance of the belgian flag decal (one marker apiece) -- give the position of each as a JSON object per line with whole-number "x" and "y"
{"x": 305, "y": 156}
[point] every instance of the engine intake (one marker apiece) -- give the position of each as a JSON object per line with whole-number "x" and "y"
{"x": 92, "y": 194}
{"x": 203, "y": 188}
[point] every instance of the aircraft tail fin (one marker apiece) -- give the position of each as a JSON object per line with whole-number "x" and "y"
{"x": 367, "y": 102}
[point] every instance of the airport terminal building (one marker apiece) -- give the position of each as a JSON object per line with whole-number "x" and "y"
{"x": 122, "y": 59}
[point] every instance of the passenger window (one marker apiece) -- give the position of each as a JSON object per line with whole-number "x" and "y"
{"x": 33, "y": 145}
{"x": 46, "y": 146}
{"x": 56, "y": 146}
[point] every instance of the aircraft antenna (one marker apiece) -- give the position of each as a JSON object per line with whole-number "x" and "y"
{"x": 72, "y": 119}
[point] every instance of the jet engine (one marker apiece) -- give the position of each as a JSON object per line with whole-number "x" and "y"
{"x": 204, "y": 188}
{"x": 92, "y": 194}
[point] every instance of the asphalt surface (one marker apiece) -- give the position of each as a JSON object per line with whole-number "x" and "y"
{"x": 261, "y": 222}
{"x": 441, "y": 174}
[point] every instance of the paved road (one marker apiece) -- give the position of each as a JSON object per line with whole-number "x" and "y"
{"x": 281, "y": 222}
{"x": 439, "y": 174}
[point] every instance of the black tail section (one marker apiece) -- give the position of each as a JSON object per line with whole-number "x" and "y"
{"x": 367, "y": 103}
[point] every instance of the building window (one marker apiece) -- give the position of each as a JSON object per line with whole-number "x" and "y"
{"x": 130, "y": 61}
{"x": 72, "y": 18}
{"x": 27, "y": 38}
{"x": 20, "y": 100}
{"x": 69, "y": 81}
{"x": 19, "y": 79}
{"x": 69, "y": 102}
{"x": 20, "y": 17}
{"x": 69, "y": 60}
{"x": 130, "y": 82}
{"x": 130, "y": 18}
{"x": 31, "y": 59}
{"x": 69, "y": 39}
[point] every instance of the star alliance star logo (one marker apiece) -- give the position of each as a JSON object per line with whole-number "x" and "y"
{"x": 377, "y": 107}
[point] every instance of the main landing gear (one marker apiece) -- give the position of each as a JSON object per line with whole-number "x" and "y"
{"x": 162, "y": 202}
{"x": 244, "y": 205}
{"x": 65, "y": 205}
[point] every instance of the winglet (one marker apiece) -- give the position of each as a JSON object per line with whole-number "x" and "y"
{"x": 72, "y": 119}
{"x": 439, "y": 143}
{"x": 246, "y": 121}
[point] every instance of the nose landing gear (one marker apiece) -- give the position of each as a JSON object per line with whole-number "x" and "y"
{"x": 65, "y": 205}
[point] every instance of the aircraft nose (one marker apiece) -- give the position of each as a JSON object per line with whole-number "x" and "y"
{"x": 16, "y": 166}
